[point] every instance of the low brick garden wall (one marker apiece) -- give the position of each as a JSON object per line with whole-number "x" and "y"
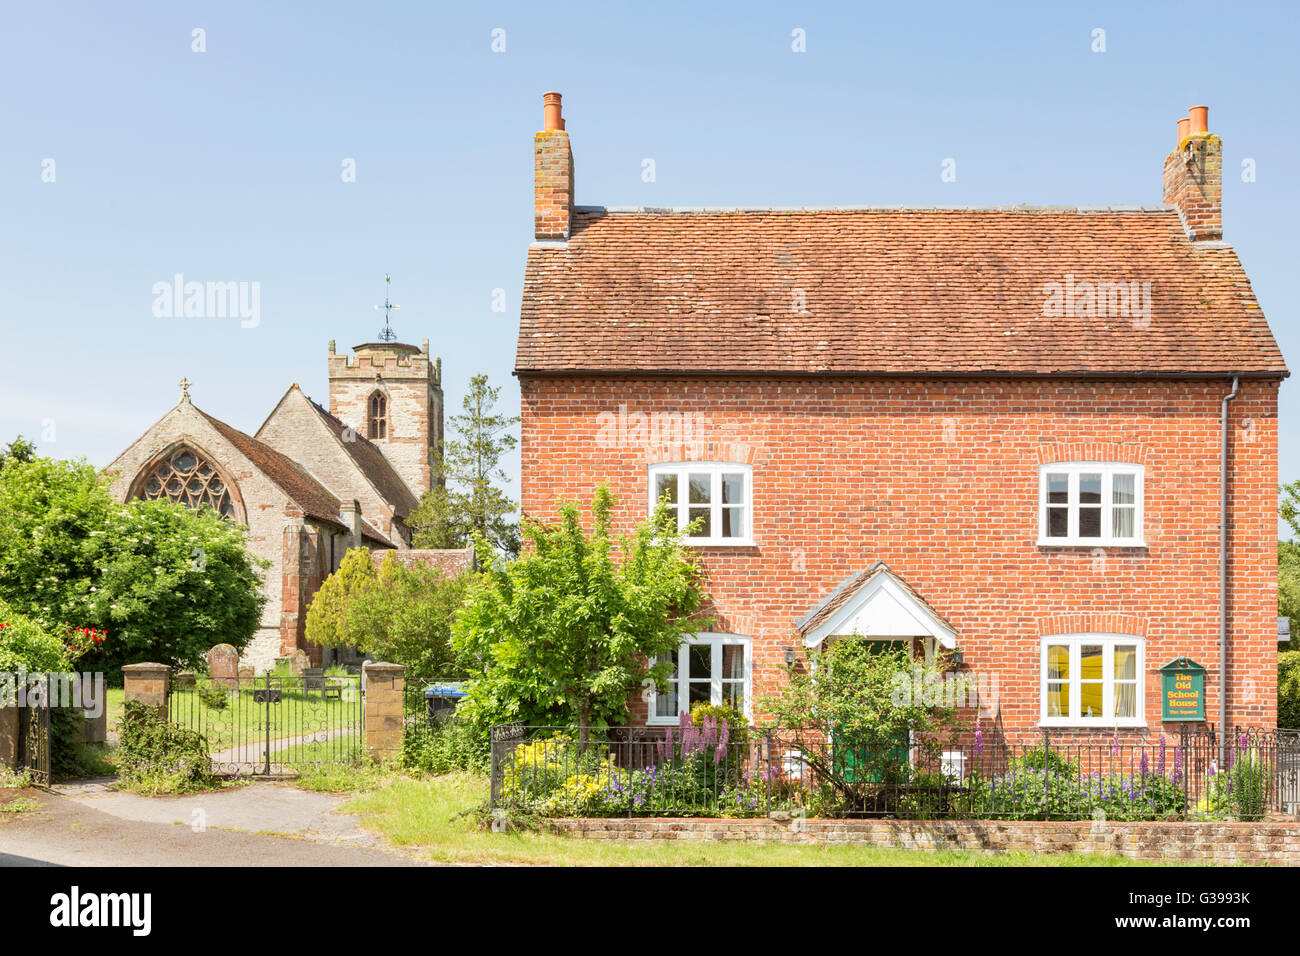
{"x": 1276, "y": 843}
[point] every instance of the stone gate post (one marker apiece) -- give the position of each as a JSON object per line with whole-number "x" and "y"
{"x": 385, "y": 685}
{"x": 148, "y": 683}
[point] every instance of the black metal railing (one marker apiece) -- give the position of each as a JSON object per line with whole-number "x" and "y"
{"x": 754, "y": 771}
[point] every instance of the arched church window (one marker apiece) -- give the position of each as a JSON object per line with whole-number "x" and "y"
{"x": 186, "y": 477}
{"x": 378, "y": 415}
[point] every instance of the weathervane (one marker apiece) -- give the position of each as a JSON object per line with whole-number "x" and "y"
{"x": 386, "y": 334}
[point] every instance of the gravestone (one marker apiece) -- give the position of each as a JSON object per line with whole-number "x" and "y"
{"x": 223, "y": 666}
{"x": 246, "y": 674}
{"x": 184, "y": 680}
{"x": 299, "y": 661}
{"x": 313, "y": 680}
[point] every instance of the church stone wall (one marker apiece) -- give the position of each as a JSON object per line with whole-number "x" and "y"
{"x": 411, "y": 380}
{"x": 266, "y": 505}
{"x": 296, "y": 430}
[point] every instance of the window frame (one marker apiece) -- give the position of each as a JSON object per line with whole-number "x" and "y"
{"x": 1108, "y": 471}
{"x": 381, "y": 419}
{"x": 715, "y": 469}
{"x": 716, "y": 642}
{"x": 1108, "y": 641}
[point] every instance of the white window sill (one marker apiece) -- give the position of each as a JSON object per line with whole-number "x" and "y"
{"x": 718, "y": 542}
{"x": 1091, "y": 543}
{"x": 1127, "y": 723}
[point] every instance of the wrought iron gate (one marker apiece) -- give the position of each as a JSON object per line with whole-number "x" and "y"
{"x": 272, "y": 724}
{"x": 35, "y": 743}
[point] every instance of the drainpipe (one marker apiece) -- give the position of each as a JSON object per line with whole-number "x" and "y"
{"x": 1223, "y": 578}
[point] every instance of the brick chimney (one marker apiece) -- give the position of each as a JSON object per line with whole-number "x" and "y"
{"x": 552, "y": 174}
{"x": 1194, "y": 176}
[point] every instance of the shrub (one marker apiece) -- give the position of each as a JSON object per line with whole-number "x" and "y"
{"x": 214, "y": 697}
{"x": 443, "y": 746}
{"x": 156, "y": 756}
{"x": 737, "y": 725}
{"x": 28, "y": 646}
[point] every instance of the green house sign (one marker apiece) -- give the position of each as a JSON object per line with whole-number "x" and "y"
{"x": 1182, "y": 690}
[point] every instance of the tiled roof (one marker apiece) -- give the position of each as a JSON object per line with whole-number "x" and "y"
{"x": 301, "y": 488}
{"x": 450, "y": 561}
{"x": 886, "y": 292}
{"x": 371, "y": 463}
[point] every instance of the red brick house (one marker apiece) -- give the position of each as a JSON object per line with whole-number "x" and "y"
{"x": 1011, "y": 431}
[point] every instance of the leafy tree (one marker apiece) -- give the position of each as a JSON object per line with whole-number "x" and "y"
{"x": 327, "y": 615}
{"x": 867, "y": 697}
{"x": 471, "y": 503}
{"x": 164, "y": 581}
{"x": 18, "y": 450}
{"x": 399, "y": 614}
{"x": 571, "y": 630}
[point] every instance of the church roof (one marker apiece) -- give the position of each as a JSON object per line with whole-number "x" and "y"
{"x": 291, "y": 478}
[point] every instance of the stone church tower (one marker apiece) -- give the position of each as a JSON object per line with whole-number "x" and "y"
{"x": 391, "y": 394}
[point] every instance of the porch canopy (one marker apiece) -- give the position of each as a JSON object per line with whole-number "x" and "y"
{"x": 875, "y": 603}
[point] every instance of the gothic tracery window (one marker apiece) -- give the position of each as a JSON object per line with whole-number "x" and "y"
{"x": 186, "y": 477}
{"x": 378, "y": 415}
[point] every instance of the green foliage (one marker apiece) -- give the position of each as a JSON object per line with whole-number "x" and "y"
{"x": 70, "y": 758}
{"x": 214, "y": 697}
{"x": 327, "y": 615}
{"x": 166, "y": 582}
{"x": 396, "y": 614}
{"x": 1039, "y": 758}
{"x": 471, "y": 503}
{"x": 867, "y": 696}
{"x": 1288, "y": 588}
{"x": 1288, "y": 690}
{"x": 156, "y": 756}
{"x": 1289, "y": 505}
{"x": 737, "y": 725}
{"x": 443, "y": 746}
{"x": 19, "y": 450}
{"x": 566, "y": 634}
{"x": 28, "y": 646}
{"x": 1029, "y": 792}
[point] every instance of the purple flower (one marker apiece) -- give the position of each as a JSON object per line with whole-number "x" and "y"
{"x": 1145, "y": 764}
{"x": 979, "y": 741}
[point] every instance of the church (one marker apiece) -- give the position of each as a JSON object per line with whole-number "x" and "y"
{"x": 311, "y": 482}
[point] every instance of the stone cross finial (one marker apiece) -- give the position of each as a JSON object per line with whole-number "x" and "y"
{"x": 185, "y": 384}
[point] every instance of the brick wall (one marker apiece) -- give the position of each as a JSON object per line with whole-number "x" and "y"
{"x": 940, "y": 480}
{"x": 552, "y": 184}
{"x": 1265, "y": 843}
{"x": 1197, "y": 188}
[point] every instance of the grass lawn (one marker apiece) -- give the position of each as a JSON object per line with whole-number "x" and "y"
{"x": 425, "y": 814}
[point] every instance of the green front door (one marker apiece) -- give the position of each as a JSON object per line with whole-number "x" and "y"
{"x": 855, "y": 762}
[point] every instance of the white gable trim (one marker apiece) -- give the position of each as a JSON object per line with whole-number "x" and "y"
{"x": 883, "y": 608}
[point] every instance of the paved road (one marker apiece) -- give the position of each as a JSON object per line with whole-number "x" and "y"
{"x": 94, "y": 826}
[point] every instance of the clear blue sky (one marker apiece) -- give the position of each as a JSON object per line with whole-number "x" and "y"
{"x": 225, "y": 165}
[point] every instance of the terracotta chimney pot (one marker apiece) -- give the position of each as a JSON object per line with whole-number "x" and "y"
{"x": 552, "y": 118}
{"x": 1200, "y": 117}
{"x": 1184, "y": 129}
